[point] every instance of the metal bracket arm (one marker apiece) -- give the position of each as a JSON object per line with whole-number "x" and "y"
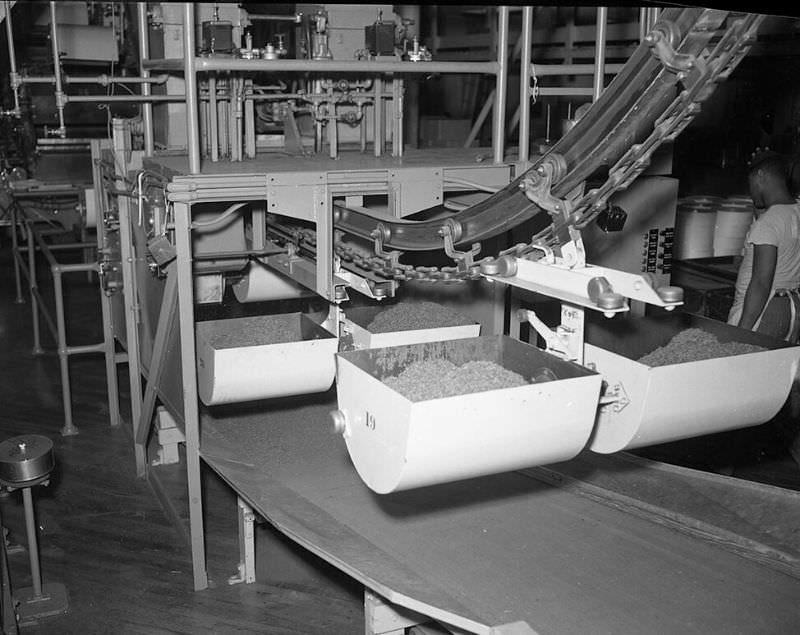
{"x": 537, "y": 185}
{"x": 598, "y": 288}
{"x": 451, "y": 232}
{"x": 563, "y": 342}
{"x": 662, "y": 39}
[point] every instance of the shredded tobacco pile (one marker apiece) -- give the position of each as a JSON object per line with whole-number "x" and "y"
{"x": 258, "y": 332}
{"x": 693, "y": 345}
{"x": 438, "y": 378}
{"x": 410, "y": 316}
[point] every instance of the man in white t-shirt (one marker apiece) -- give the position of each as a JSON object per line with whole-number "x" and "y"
{"x": 767, "y": 298}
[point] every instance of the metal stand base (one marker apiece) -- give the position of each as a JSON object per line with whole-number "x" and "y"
{"x": 52, "y": 601}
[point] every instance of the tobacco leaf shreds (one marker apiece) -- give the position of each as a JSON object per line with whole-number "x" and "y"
{"x": 410, "y": 316}
{"x": 258, "y": 332}
{"x": 692, "y": 345}
{"x": 438, "y": 378}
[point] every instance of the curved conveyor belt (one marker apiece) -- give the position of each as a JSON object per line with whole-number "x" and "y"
{"x": 626, "y": 114}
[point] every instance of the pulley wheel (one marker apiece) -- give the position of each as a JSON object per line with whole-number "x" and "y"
{"x": 26, "y": 458}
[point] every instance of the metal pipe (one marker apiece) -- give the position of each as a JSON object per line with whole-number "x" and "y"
{"x": 12, "y": 58}
{"x": 62, "y": 131}
{"x": 498, "y": 129}
{"x": 144, "y": 52}
{"x": 296, "y": 18}
{"x": 107, "y": 79}
{"x": 239, "y": 112}
{"x": 525, "y": 84}
{"x": 377, "y": 131}
{"x": 69, "y": 428}
{"x": 644, "y": 13}
{"x": 143, "y": 99}
{"x": 398, "y": 105}
{"x": 565, "y": 91}
{"x": 103, "y": 80}
{"x": 37, "y": 343}
{"x": 190, "y": 77}
{"x": 15, "y": 249}
{"x": 213, "y": 117}
{"x": 63, "y": 246}
{"x": 205, "y": 64}
{"x": 547, "y": 70}
{"x": 600, "y": 52}
{"x": 333, "y": 132}
{"x": 249, "y": 123}
{"x": 33, "y": 546}
{"x": 46, "y": 79}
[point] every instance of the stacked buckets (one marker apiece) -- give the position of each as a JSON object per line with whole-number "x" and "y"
{"x": 707, "y": 226}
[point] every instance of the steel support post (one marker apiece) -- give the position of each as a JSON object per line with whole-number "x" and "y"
{"x": 501, "y": 86}
{"x": 37, "y": 342}
{"x": 213, "y": 118}
{"x": 12, "y": 58}
{"x": 190, "y": 77}
{"x": 600, "y": 53}
{"x": 62, "y": 131}
{"x": 63, "y": 356}
{"x": 378, "y": 127}
{"x": 525, "y": 84}
{"x": 106, "y": 306}
{"x": 144, "y": 53}
{"x": 166, "y": 319}
{"x": 191, "y": 410}
{"x": 129, "y": 282}
{"x": 16, "y": 253}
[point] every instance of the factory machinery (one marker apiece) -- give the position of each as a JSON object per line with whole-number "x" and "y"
{"x": 273, "y": 193}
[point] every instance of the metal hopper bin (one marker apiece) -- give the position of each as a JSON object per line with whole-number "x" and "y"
{"x": 261, "y": 357}
{"x": 357, "y": 321}
{"x": 397, "y": 443}
{"x": 666, "y": 403}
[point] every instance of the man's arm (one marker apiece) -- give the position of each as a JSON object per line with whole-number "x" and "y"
{"x": 758, "y": 291}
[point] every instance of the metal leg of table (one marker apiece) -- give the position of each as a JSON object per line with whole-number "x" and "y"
{"x": 247, "y": 551}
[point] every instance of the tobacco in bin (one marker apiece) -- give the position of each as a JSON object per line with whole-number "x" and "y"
{"x": 694, "y": 344}
{"x": 411, "y": 316}
{"x": 439, "y": 378}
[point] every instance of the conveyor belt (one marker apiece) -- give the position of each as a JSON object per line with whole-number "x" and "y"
{"x": 490, "y": 551}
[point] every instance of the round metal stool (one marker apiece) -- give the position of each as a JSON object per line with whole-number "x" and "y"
{"x": 26, "y": 461}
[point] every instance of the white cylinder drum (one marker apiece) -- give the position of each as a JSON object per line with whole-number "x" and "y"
{"x": 694, "y": 231}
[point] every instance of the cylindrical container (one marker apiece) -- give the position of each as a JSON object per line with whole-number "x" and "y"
{"x": 694, "y": 231}
{"x": 733, "y": 219}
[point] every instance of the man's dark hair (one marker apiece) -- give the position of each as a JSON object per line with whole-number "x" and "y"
{"x": 771, "y": 162}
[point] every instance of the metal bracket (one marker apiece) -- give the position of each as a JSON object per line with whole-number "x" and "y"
{"x": 537, "y": 185}
{"x": 451, "y": 232}
{"x": 566, "y": 341}
{"x": 379, "y": 235}
{"x": 384, "y": 618}
{"x": 614, "y": 397}
{"x": 663, "y": 39}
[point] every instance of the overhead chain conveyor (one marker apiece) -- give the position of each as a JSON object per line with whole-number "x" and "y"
{"x": 242, "y": 274}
